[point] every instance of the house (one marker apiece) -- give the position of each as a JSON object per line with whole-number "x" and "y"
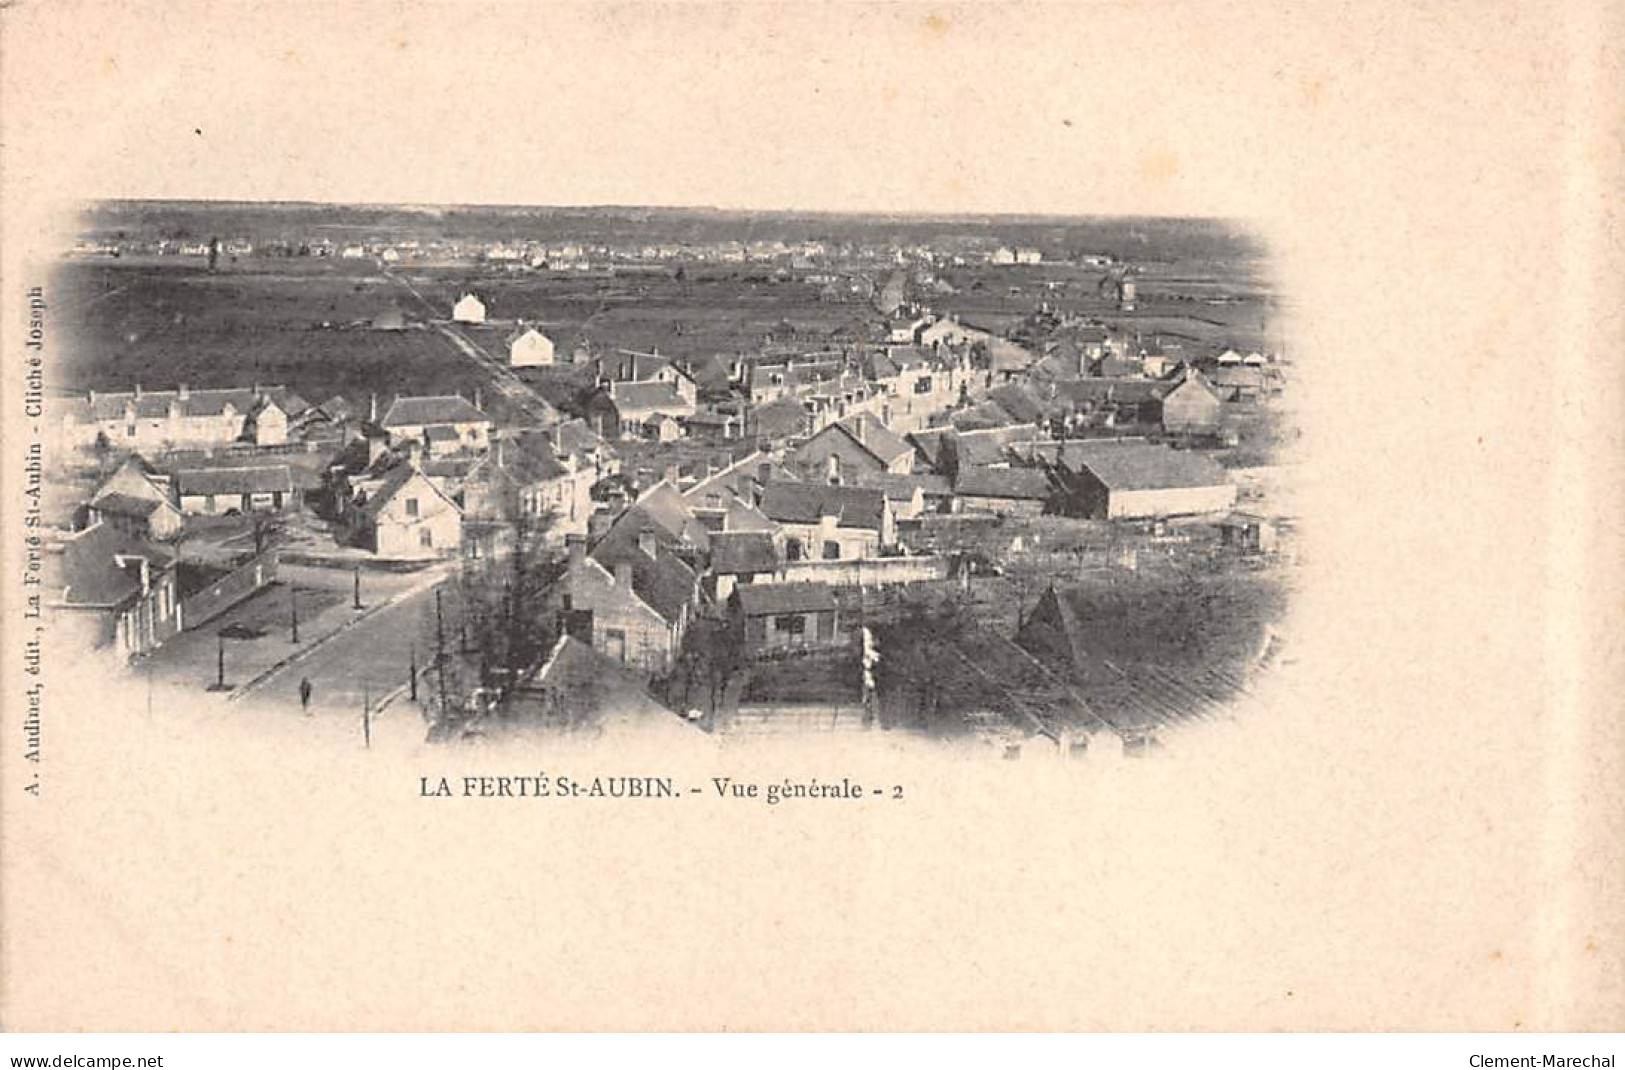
{"x": 412, "y": 417}
{"x": 825, "y": 522}
{"x": 137, "y": 499}
{"x": 1002, "y": 491}
{"x": 948, "y": 332}
{"x": 584, "y": 693}
{"x": 1029, "y": 256}
{"x": 852, "y": 448}
{"x": 406, "y": 515}
{"x": 776, "y": 422}
{"x": 1003, "y": 256}
{"x": 1130, "y": 480}
{"x": 1192, "y": 407}
{"x": 528, "y": 478}
{"x": 914, "y": 494}
{"x": 114, "y": 590}
{"x": 243, "y": 489}
{"x": 772, "y": 617}
{"x": 529, "y": 348}
{"x": 1240, "y": 382}
{"x": 1112, "y": 402}
{"x": 631, "y": 600}
{"x": 629, "y": 366}
{"x": 468, "y": 309}
{"x": 740, "y": 558}
{"x": 662, "y": 427}
{"x": 158, "y": 420}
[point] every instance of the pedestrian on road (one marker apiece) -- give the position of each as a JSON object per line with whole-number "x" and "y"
{"x": 304, "y": 694}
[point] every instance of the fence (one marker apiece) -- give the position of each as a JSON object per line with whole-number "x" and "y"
{"x": 228, "y": 590}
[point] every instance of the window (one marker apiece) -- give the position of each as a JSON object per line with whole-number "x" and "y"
{"x": 832, "y": 550}
{"x": 793, "y": 550}
{"x": 426, "y": 537}
{"x": 411, "y": 507}
{"x": 922, "y": 385}
{"x": 790, "y": 624}
{"x": 615, "y": 643}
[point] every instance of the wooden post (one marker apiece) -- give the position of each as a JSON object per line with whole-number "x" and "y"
{"x": 220, "y": 663}
{"x": 293, "y": 609}
{"x": 412, "y": 678}
{"x": 358, "y": 587}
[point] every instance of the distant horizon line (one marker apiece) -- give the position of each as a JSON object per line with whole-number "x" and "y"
{"x": 923, "y": 215}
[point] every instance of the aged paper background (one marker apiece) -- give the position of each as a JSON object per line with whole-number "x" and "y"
{"x": 1419, "y": 826}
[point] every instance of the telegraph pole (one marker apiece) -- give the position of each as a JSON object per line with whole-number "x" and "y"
{"x": 293, "y": 609}
{"x": 440, "y": 649}
{"x": 412, "y": 678}
{"x": 358, "y": 587}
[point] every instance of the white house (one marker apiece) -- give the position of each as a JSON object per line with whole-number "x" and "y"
{"x": 468, "y": 309}
{"x": 529, "y": 348}
{"x": 407, "y": 515}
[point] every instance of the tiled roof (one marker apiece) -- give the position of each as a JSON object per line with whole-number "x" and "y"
{"x": 664, "y": 582}
{"x": 255, "y": 479}
{"x": 89, "y": 566}
{"x": 767, "y": 599}
{"x": 632, "y": 398}
{"x": 412, "y": 411}
{"x": 875, "y": 437}
{"x": 1144, "y": 466}
{"x": 126, "y": 504}
{"x": 900, "y": 486}
{"x": 733, "y": 552}
{"x": 808, "y": 503}
{"x": 1095, "y": 390}
{"x": 977, "y": 482}
{"x": 155, "y": 404}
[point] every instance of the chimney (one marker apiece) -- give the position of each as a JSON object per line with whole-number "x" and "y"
{"x": 576, "y": 545}
{"x": 372, "y": 413}
{"x": 673, "y": 474}
{"x": 623, "y": 574}
{"x": 646, "y": 542}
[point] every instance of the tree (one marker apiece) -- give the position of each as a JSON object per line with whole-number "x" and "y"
{"x": 504, "y": 596}
{"x": 268, "y": 529}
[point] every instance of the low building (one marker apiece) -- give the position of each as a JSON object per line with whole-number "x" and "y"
{"x": 138, "y": 499}
{"x": 407, "y": 515}
{"x": 579, "y": 691}
{"x": 412, "y": 417}
{"x": 242, "y": 489}
{"x": 529, "y": 348}
{"x": 1003, "y": 491}
{"x": 823, "y": 522}
{"x": 1132, "y": 480}
{"x": 741, "y": 558}
{"x": 1192, "y": 407}
{"x": 773, "y": 617}
{"x": 113, "y": 591}
{"x": 158, "y": 420}
{"x": 851, "y": 449}
{"x": 630, "y": 602}
{"x": 468, "y": 309}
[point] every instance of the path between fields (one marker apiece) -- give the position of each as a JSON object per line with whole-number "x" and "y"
{"x": 515, "y": 390}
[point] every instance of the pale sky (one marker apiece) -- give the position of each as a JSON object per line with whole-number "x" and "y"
{"x": 1095, "y": 108}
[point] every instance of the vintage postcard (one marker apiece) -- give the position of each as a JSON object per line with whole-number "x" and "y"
{"x": 811, "y": 517}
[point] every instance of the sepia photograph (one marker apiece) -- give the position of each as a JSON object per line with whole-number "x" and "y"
{"x": 1067, "y": 518}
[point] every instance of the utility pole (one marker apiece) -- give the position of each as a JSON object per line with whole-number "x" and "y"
{"x": 412, "y": 678}
{"x": 440, "y": 649}
{"x": 220, "y": 663}
{"x": 293, "y": 608}
{"x": 358, "y": 587}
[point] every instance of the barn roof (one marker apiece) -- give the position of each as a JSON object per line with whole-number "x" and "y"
{"x": 1145, "y": 466}
{"x": 808, "y": 503}
{"x": 255, "y": 479}
{"x": 451, "y": 409}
